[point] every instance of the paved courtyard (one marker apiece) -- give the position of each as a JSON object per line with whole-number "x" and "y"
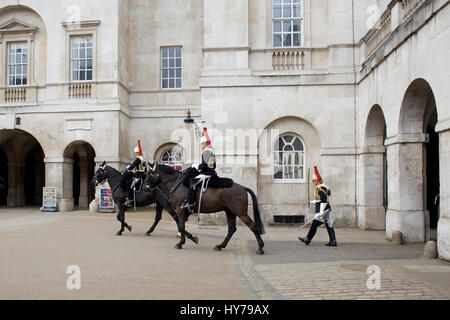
{"x": 36, "y": 249}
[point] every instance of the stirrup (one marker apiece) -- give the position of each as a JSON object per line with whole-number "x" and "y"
{"x": 188, "y": 206}
{"x": 128, "y": 203}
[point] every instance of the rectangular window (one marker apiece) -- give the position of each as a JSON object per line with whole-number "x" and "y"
{"x": 17, "y": 63}
{"x": 287, "y": 18}
{"x": 81, "y": 58}
{"x": 171, "y": 68}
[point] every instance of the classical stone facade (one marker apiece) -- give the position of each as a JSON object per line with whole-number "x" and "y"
{"x": 357, "y": 88}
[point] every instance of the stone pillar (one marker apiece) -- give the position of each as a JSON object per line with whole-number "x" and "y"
{"x": 59, "y": 174}
{"x": 443, "y": 229}
{"x": 406, "y": 211}
{"x": 371, "y": 210}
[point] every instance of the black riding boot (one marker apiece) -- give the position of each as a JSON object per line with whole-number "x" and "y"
{"x": 311, "y": 233}
{"x": 332, "y": 236}
{"x": 190, "y": 199}
{"x": 130, "y": 198}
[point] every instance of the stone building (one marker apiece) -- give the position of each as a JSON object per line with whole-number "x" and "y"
{"x": 357, "y": 88}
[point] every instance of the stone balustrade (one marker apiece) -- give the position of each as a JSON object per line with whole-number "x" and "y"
{"x": 80, "y": 90}
{"x": 379, "y": 33}
{"x": 15, "y": 94}
{"x": 408, "y": 6}
{"x": 288, "y": 59}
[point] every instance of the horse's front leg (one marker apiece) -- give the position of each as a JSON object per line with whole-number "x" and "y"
{"x": 181, "y": 227}
{"x": 121, "y": 218}
{"x": 188, "y": 235}
{"x": 159, "y": 210}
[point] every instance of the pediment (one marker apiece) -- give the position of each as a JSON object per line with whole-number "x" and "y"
{"x": 17, "y": 26}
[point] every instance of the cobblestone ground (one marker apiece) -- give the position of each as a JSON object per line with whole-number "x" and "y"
{"x": 410, "y": 277}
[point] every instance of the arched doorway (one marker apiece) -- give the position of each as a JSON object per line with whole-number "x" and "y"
{"x": 414, "y": 155}
{"x": 373, "y": 198}
{"x": 21, "y": 168}
{"x": 79, "y": 158}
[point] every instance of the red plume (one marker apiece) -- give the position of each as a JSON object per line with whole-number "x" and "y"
{"x": 316, "y": 173}
{"x": 140, "y": 149}
{"x": 208, "y": 141}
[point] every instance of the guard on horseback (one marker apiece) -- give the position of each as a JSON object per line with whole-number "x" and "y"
{"x": 131, "y": 177}
{"x": 206, "y": 168}
{"x": 322, "y": 212}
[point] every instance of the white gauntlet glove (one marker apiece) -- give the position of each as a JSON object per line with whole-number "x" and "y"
{"x": 312, "y": 202}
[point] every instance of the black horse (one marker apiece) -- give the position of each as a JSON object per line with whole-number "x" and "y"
{"x": 232, "y": 200}
{"x": 143, "y": 197}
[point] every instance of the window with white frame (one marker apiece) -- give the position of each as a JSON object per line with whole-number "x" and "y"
{"x": 17, "y": 63}
{"x": 289, "y": 158}
{"x": 81, "y": 58}
{"x": 171, "y": 68}
{"x": 172, "y": 158}
{"x": 287, "y": 21}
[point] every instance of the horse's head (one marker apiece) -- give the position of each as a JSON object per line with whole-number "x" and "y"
{"x": 100, "y": 175}
{"x": 152, "y": 178}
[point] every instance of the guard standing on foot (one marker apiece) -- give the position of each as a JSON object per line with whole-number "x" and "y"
{"x": 322, "y": 211}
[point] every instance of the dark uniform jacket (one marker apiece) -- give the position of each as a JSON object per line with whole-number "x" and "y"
{"x": 321, "y": 193}
{"x": 208, "y": 164}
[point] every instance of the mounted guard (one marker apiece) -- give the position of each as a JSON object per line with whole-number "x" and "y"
{"x": 322, "y": 212}
{"x": 132, "y": 178}
{"x": 205, "y": 171}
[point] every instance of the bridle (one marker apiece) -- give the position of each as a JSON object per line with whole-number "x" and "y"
{"x": 103, "y": 169}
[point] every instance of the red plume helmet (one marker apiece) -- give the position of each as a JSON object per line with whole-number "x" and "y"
{"x": 208, "y": 141}
{"x": 316, "y": 173}
{"x": 140, "y": 149}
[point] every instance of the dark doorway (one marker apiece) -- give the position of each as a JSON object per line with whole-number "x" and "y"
{"x": 432, "y": 174}
{"x": 3, "y": 178}
{"x": 76, "y": 179}
{"x": 33, "y": 176}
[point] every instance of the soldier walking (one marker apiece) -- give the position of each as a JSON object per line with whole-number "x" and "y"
{"x": 322, "y": 211}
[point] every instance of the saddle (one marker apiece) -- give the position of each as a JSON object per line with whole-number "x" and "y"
{"x": 213, "y": 180}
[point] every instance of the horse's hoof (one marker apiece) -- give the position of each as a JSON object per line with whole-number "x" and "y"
{"x": 260, "y": 251}
{"x": 148, "y": 234}
{"x": 129, "y": 228}
{"x": 118, "y": 233}
{"x": 178, "y": 246}
{"x": 217, "y": 248}
{"x": 195, "y": 239}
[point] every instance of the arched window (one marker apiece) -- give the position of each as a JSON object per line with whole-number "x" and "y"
{"x": 173, "y": 158}
{"x": 289, "y": 158}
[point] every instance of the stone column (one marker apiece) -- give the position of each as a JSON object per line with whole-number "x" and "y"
{"x": 406, "y": 211}
{"x": 59, "y": 174}
{"x": 443, "y": 229}
{"x": 371, "y": 210}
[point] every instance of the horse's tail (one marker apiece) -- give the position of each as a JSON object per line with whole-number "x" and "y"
{"x": 256, "y": 213}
